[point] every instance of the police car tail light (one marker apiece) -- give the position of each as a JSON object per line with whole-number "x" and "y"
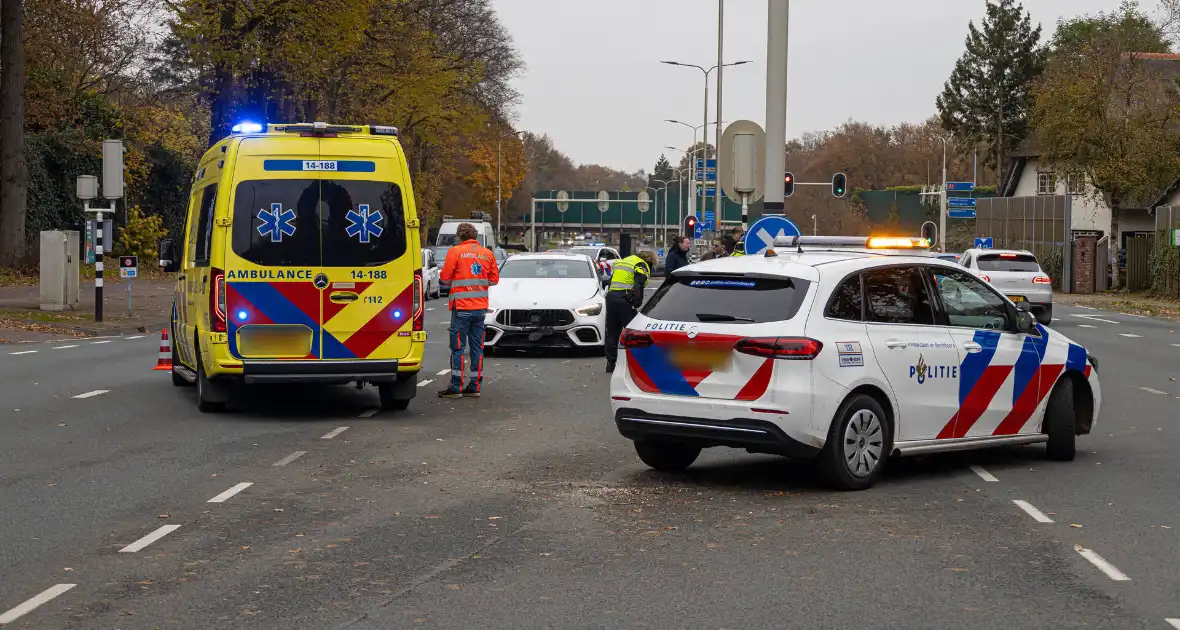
{"x": 217, "y": 301}
{"x": 791, "y": 348}
{"x": 1042, "y": 280}
{"x": 632, "y": 339}
{"x": 418, "y": 323}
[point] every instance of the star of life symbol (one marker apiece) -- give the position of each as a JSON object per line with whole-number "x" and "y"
{"x": 476, "y": 269}
{"x": 364, "y": 222}
{"x": 276, "y": 222}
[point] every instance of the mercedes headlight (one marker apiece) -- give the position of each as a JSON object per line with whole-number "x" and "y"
{"x": 589, "y": 309}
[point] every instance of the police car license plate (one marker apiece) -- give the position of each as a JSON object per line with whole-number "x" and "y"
{"x": 701, "y": 358}
{"x": 1016, "y": 298}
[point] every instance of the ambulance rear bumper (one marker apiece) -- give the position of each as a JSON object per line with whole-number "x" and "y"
{"x": 319, "y": 371}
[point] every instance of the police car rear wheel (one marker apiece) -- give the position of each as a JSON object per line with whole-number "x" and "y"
{"x": 666, "y": 456}
{"x": 858, "y": 443}
{"x": 1060, "y": 418}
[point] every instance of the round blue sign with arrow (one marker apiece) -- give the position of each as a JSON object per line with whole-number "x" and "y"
{"x": 765, "y": 230}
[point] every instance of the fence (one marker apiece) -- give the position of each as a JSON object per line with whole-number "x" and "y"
{"x": 1139, "y": 249}
{"x": 1039, "y": 224}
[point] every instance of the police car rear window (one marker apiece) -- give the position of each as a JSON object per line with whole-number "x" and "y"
{"x": 310, "y": 222}
{"x": 1007, "y": 262}
{"x": 736, "y": 300}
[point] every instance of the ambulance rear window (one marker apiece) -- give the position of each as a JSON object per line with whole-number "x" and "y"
{"x": 312, "y": 223}
{"x": 736, "y": 299}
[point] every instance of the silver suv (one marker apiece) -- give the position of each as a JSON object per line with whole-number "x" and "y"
{"x": 1017, "y": 274}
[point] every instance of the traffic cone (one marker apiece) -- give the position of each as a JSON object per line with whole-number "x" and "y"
{"x": 164, "y": 359}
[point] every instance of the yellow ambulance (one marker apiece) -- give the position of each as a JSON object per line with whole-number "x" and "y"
{"x": 300, "y": 263}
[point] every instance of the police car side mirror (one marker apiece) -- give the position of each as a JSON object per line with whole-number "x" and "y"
{"x": 169, "y": 261}
{"x": 1024, "y": 322}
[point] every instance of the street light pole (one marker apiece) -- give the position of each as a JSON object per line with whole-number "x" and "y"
{"x": 717, "y": 196}
{"x": 942, "y": 205}
{"x": 665, "y": 182}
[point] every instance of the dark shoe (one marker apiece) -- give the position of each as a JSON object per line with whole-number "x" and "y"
{"x": 610, "y": 367}
{"x": 470, "y": 393}
{"x": 449, "y": 393}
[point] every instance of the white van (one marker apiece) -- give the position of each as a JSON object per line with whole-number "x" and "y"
{"x": 487, "y": 234}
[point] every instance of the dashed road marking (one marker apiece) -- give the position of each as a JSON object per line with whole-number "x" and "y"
{"x": 64, "y": 347}
{"x": 1152, "y": 390}
{"x": 149, "y": 539}
{"x": 34, "y": 602}
{"x": 1086, "y": 326}
{"x": 1032, "y": 511}
{"x": 333, "y": 433}
{"x": 97, "y": 392}
{"x": 137, "y": 337}
{"x": 368, "y": 413}
{"x": 1131, "y": 335}
{"x": 1094, "y": 318}
{"x": 1175, "y": 623}
{"x": 24, "y": 352}
{"x": 983, "y": 474}
{"x": 290, "y": 458}
{"x": 1088, "y": 308}
{"x": 1109, "y": 569}
{"x": 425, "y": 382}
{"x": 1133, "y": 315}
{"x": 1175, "y": 344}
{"x": 95, "y": 343}
{"x": 440, "y": 372}
{"x": 221, "y": 498}
{"x": 430, "y": 309}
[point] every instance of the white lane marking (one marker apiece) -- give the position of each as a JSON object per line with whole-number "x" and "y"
{"x": 97, "y": 392}
{"x": 334, "y": 432}
{"x": 1130, "y": 335}
{"x": 64, "y": 347}
{"x": 24, "y": 352}
{"x": 425, "y": 382}
{"x": 1093, "y": 318}
{"x": 1175, "y": 623}
{"x": 290, "y": 458}
{"x": 136, "y": 337}
{"x": 1133, "y": 315}
{"x": 430, "y": 309}
{"x": 1032, "y": 511}
{"x": 95, "y": 343}
{"x": 368, "y": 413}
{"x": 149, "y": 539}
{"x": 1152, "y": 390}
{"x": 34, "y": 602}
{"x": 440, "y": 372}
{"x": 1086, "y": 326}
{"x": 1109, "y": 569}
{"x": 1088, "y": 308}
{"x": 221, "y": 498}
{"x": 1175, "y": 344}
{"x": 983, "y": 474}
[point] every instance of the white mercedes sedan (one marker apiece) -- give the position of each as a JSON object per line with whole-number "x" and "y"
{"x": 551, "y": 300}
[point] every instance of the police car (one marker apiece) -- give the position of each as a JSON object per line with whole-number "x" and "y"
{"x": 844, "y": 351}
{"x": 603, "y": 256}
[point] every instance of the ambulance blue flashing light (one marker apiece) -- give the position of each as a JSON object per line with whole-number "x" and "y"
{"x": 248, "y": 127}
{"x": 397, "y": 314}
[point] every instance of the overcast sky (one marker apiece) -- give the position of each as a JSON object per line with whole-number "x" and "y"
{"x": 594, "y": 82}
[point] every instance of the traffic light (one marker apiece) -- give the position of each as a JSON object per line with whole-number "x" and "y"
{"x": 690, "y": 226}
{"x": 788, "y": 184}
{"x": 839, "y": 184}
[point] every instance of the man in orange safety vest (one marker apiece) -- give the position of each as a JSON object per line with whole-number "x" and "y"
{"x": 470, "y": 270}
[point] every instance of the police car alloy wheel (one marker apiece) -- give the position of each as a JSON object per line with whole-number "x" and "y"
{"x": 859, "y": 442}
{"x": 666, "y": 456}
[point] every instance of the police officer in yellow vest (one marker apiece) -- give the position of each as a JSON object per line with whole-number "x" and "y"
{"x": 623, "y": 298}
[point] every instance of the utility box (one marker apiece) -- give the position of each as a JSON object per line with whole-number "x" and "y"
{"x": 59, "y": 270}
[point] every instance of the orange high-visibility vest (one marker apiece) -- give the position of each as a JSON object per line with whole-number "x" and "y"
{"x": 470, "y": 269}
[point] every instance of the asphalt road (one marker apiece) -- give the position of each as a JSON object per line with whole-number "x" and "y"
{"x": 525, "y": 509}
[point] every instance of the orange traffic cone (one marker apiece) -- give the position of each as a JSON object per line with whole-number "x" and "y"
{"x": 164, "y": 360}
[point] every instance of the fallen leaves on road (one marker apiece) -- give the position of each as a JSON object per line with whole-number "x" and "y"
{"x": 295, "y": 550}
{"x": 452, "y": 587}
{"x": 163, "y": 516}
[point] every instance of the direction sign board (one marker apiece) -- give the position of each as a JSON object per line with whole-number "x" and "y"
{"x": 765, "y": 230}
{"x": 960, "y": 186}
{"x": 698, "y": 231}
{"x": 711, "y": 170}
{"x": 960, "y": 214}
{"x": 960, "y": 202}
{"x": 711, "y": 191}
{"x": 709, "y": 221}
{"x": 983, "y": 242}
{"x": 128, "y": 266}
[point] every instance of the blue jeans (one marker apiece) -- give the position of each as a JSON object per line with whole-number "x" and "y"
{"x": 467, "y": 331}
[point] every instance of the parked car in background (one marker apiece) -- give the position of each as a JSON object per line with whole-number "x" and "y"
{"x": 440, "y": 256}
{"x": 1017, "y": 274}
{"x": 430, "y": 273}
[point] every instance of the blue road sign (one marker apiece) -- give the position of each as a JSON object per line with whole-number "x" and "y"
{"x": 711, "y": 191}
{"x": 984, "y": 242}
{"x": 764, "y": 231}
{"x": 960, "y": 214}
{"x": 960, "y": 186}
{"x": 710, "y": 170}
{"x": 698, "y": 230}
{"x": 660, "y": 253}
{"x": 960, "y": 202}
{"x": 709, "y": 221}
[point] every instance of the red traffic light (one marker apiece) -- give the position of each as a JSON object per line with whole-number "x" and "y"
{"x": 787, "y": 178}
{"x": 690, "y": 221}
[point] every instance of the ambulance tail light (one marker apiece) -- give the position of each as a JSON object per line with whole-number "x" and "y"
{"x": 632, "y": 339}
{"x": 217, "y": 301}
{"x": 1042, "y": 280}
{"x": 418, "y": 300}
{"x": 790, "y": 348}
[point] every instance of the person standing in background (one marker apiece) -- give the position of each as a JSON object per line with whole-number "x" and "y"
{"x": 677, "y": 256}
{"x": 717, "y": 250}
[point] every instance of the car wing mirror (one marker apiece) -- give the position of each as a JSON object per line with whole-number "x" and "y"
{"x": 169, "y": 261}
